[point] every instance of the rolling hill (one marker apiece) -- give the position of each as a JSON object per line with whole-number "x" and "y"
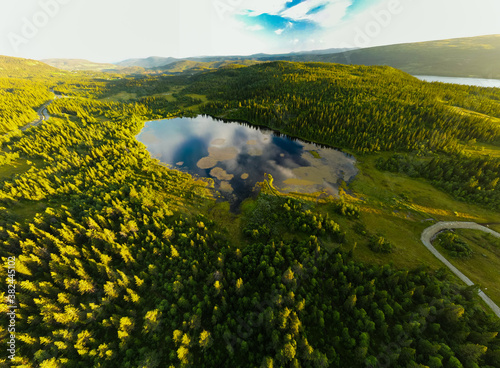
{"x": 148, "y": 63}
{"x": 86, "y": 65}
{"x": 199, "y": 66}
{"x": 156, "y": 62}
{"x": 462, "y": 57}
{"x": 78, "y": 64}
{"x": 12, "y": 67}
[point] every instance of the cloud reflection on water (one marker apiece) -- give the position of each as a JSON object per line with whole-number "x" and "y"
{"x": 240, "y": 149}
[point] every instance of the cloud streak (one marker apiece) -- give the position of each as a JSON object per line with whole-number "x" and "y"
{"x": 323, "y": 13}
{"x": 258, "y": 7}
{"x": 255, "y": 28}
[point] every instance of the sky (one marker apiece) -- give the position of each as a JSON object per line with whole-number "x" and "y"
{"x": 114, "y": 30}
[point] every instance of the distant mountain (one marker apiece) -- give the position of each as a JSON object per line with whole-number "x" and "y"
{"x": 170, "y": 64}
{"x": 25, "y": 68}
{"x": 156, "y": 62}
{"x": 78, "y": 64}
{"x": 82, "y": 64}
{"x": 148, "y": 63}
{"x": 199, "y": 66}
{"x": 461, "y": 57}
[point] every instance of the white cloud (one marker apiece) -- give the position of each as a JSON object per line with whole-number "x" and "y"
{"x": 279, "y": 31}
{"x": 330, "y": 15}
{"x": 448, "y": 19}
{"x": 333, "y": 13}
{"x": 299, "y": 11}
{"x": 255, "y": 28}
{"x": 258, "y": 7}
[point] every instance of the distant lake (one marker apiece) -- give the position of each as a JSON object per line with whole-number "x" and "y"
{"x": 237, "y": 155}
{"x": 480, "y": 82}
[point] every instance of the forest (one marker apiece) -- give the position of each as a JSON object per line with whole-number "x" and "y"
{"x": 367, "y": 110}
{"x": 122, "y": 262}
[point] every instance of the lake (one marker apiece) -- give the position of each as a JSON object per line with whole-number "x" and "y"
{"x": 237, "y": 156}
{"x": 464, "y": 81}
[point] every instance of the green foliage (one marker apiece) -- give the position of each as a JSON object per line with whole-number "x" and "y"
{"x": 454, "y": 244}
{"x": 472, "y": 179}
{"x": 121, "y": 264}
{"x": 272, "y": 217}
{"x": 363, "y": 108}
{"x": 379, "y": 244}
{"x": 19, "y": 100}
{"x": 11, "y": 67}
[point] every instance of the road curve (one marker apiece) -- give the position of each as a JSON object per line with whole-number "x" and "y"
{"x": 427, "y": 237}
{"x": 43, "y": 114}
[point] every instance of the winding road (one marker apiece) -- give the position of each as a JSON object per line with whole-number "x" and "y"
{"x": 429, "y": 234}
{"x": 43, "y": 114}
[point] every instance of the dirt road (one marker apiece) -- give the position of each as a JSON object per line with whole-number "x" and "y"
{"x": 429, "y": 234}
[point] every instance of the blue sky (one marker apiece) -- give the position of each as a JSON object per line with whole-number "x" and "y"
{"x": 291, "y": 21}
{"x": 298, "y": 16}
{"x": 113, "y": 30}
{"x": 298, "y": 22}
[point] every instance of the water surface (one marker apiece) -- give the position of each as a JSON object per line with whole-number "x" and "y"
{"x": 480, "y": 82}
{"x": 237, "y": 156}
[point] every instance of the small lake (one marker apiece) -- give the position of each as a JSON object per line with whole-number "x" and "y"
{"x": 237, "y": 156}
{"x": 480, "y": 82}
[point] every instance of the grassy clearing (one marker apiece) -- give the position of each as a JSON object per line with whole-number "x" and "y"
{"x": 495, "y": 227}
{"x": 394, "y": 206}
{"x": 415, "y": 199}
{"x": 203, "y": 98}
{"x": 169, "y": 95}
{"x": 18, "y": 166}
{"x": 465, "y": 112}
{"x": 25, "y": 211}
{"x": 122, "y": 97}
{"x": 400, "y": 208}
{"x": 219, "y": 212}
{"x": 483, "y": 149}
{"x": 483, "y": 268}
{"x": 196, "y": 108}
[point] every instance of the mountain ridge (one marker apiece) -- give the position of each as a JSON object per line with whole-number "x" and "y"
{"x": 475, "y": 57}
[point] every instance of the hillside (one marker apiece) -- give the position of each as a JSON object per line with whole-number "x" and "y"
{"x": 148, "y": 63}
{"x": 11, "y": 67}
{"x": 392, "y": 109}
{"x": 85, "y": 65}
{"x": 161, "y": 63}
{"x": 463, "y": 57}
{"x": 23, "y": 90}
{"x": 199, "y": 66}
{"x": 78, "y": 64}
